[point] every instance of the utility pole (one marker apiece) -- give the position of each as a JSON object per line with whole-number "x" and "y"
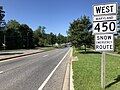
{"x": 4, "y": 40}
{"x": 2, "y": 25}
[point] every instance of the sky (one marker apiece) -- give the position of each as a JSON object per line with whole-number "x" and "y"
{"x": 55, "y": 15}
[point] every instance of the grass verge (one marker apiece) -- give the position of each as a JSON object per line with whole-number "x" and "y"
{"x": 87, "y": 71}
{"x": 47, "y": 48}
{"x": 13, "y": 50}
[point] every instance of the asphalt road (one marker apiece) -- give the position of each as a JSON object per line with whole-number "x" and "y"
{"x": 30, "y": 72}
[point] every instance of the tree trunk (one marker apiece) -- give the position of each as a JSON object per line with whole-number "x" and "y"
{"x": 85, "y": 48}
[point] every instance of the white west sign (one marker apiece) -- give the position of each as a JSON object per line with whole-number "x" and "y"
{"x": 104, "y": 42}
{"x": 104, "y": 18}
{"x": 104, "y": 9}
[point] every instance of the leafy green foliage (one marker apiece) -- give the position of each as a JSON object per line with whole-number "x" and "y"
{"x": 41, "y": 38}
{"x": 52, "y": 39}
{"x": 2, "y": 15}
{"x": 27, "y": 36}
{"x": 79, "y": 32}
{"x": 60, "y": 39}
{"x": 18, "y": 36}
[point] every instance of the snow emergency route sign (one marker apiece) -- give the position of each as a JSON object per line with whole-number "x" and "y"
{"x": 105, "y": 18}
{"x": 104, "y": 42}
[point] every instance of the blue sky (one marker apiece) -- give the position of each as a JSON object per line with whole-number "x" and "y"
{"x": 55, "y": 15}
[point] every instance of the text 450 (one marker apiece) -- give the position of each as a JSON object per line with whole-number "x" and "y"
{"x": 104, "y": 27}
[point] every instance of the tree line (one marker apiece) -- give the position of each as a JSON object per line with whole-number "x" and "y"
{"x": 18, "y": 36}
{"x": 41, "y": 38}
{"x": 14, "y": 35}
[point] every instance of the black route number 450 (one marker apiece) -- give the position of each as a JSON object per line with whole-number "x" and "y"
{"x": 105, "y": 26}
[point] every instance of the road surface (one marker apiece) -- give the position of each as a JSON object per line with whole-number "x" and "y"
{"x": 33, "y": 72}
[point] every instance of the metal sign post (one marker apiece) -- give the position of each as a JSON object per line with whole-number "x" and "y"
{"x": 103, "y": 70}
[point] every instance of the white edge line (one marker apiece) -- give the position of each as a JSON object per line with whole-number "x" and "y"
{"x": 47, "y": 79}
{"x": 1, "y": 72}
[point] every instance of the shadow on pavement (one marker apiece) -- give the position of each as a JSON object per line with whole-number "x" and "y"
{"x": 9, "y": 53}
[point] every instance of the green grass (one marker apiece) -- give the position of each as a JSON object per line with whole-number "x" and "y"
{"x": 87, "y": 71}
{"x": 41, "y": 48}
{"x": 46, "y": 48}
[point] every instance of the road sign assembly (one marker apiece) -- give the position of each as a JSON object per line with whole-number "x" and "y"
{"x": 104, "y": 28}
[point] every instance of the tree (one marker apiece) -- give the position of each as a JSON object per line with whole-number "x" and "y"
{"x": 43, "y": 40}
{"x": 27, "y": 36}
{"x": 43, "y": 32}
{"x": 60, "y": 39}
{"x": 18, "y": 35}
{"x": 52, "y": 38}
{"x": 12, "y": 35}
{"x": 40, "y": 36}
{"x": 2, "y": 13}
{"x": 80, "y": 32}
{"x": 37, "y": 34}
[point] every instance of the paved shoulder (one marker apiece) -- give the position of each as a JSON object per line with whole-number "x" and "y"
{"x": 57, "y": 79}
